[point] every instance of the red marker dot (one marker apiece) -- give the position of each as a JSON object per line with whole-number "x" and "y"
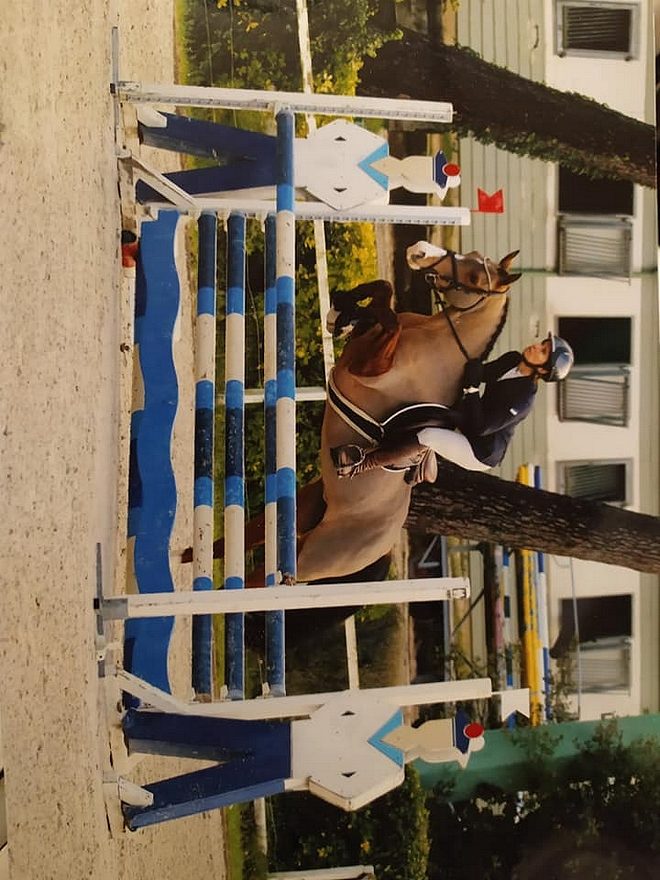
{"x": 451, "y": 170}
{"x": 473, "y": 730}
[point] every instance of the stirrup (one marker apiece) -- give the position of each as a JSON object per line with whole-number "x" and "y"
{"x": 346, "y": 458}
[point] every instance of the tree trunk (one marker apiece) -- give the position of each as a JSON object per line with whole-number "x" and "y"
{"x": 486, "y": 508}
{"x": 497, "y": 106}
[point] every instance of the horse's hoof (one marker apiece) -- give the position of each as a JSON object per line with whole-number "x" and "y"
{"x": 288, "y": 580}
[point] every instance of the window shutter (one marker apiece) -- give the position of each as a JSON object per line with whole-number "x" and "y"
{"x": 595, "y": 247}
{"x": 595, "y": 395}
{"x": 593, "y": 28}
{"x": 605, "y": 665}
{"x": 601, "y": 481}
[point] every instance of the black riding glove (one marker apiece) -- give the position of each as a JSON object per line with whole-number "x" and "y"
{"x": 473, "y": 374}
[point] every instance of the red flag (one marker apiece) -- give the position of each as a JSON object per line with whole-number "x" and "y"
{"x": 493, "y": 204}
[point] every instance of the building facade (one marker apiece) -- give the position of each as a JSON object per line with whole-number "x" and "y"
{"x": 588, "y": 250}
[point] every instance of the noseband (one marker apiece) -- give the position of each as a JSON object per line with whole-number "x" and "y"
{"x": 452, "y": 282}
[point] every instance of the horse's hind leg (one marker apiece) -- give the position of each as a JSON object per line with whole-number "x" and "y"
{"x": 340, "y": 546}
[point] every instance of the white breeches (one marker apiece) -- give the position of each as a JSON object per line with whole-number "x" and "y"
{"x": 453, "y": 446}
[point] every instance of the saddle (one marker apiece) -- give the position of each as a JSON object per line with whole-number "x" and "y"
{"x": 407, "y": 420}
{"x": 411, "y": 419}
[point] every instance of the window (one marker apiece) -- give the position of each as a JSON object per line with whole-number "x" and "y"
{"x": 594, "y": 29}
{"x": 593, "y": 394}
{"x": 599, "y": 247}
{"x": 597, "y": 340}
{"x": 607, "y": 481}
{"x": 595, "y": 231}
{"x": 597, "y": 388}
{"x": 604, "y": 625}
{"x": 579, "y": 194}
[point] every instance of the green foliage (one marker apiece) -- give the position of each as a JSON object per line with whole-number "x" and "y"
{"x": 318, "y": 664}
{"x": 245, "y": 860}
{"x": 254, "y": 43}
{"x": 586, "y": 817}
{"x": 391, "y": 833}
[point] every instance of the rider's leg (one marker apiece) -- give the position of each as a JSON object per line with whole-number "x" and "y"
{"x": 353, "y": 460}
{"x": 453, "y": 446}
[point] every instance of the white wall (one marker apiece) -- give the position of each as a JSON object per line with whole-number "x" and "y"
{"x": 619, "y": 84}
{"x": 580, "y": 440}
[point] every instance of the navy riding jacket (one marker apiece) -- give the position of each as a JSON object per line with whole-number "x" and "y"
{"x": 489, "y": 420}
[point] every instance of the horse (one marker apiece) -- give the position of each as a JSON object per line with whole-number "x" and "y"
{"x": 391, "y": 361}
{"x": 402, "y": 360}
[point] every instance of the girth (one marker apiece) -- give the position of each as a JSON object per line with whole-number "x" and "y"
{"x": 412, "y": 417}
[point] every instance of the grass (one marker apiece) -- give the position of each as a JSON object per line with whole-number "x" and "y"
{"x": 234, "y": 842}
{"x": 181, "y": 66}
{"x": 244, "y": 859}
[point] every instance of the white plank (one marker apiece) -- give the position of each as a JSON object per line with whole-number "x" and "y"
{"x": 253, "y": 99}
{"x": 282, "y": 598}
{"x": 304, "y": 704}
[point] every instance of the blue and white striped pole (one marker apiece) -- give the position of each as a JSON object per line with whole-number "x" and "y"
{"x": 202, "y": 626}
{"x": 285, "y": 362}
{"x": 509, "y": 637}
{"x": 235, "y": 451}
{"x": 275, "y": 642}
{"x": 270, "y": 403}
{"x": 286, "y": 343}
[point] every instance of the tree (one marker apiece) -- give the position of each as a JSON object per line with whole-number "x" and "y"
{"x": 486, "y": 508}
{"x": 595, "y": 815}
{"x": 497, "y": 106}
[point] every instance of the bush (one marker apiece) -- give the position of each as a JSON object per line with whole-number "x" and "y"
{"x": 391, "y": 833}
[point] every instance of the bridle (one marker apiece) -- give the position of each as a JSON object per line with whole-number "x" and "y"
{"x": 432, "y": 276}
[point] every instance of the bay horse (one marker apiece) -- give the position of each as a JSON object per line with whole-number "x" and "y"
{"x": 390, "y": 361}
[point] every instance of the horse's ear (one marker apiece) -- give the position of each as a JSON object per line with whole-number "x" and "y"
{"x": 509, "y": 279}
{"x": 505, "y": 262}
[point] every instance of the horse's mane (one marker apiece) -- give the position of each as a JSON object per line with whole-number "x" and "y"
{"x": 498, "y": 330}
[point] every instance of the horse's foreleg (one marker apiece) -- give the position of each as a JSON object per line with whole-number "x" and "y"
{"x": 375, "y": 356}
{"x": 310, "y": 507}
{"x": 372, "y": 355}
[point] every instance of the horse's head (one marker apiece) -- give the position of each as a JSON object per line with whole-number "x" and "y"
{"x": 462, "y": 280}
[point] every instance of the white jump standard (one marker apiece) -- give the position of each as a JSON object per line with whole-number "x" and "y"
{"x": 351, "y": 748}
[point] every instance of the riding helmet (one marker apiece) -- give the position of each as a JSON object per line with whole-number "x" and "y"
{"x": 560, "y": 359}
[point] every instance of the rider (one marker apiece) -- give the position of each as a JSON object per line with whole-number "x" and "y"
{"x": 486, "y": 422}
